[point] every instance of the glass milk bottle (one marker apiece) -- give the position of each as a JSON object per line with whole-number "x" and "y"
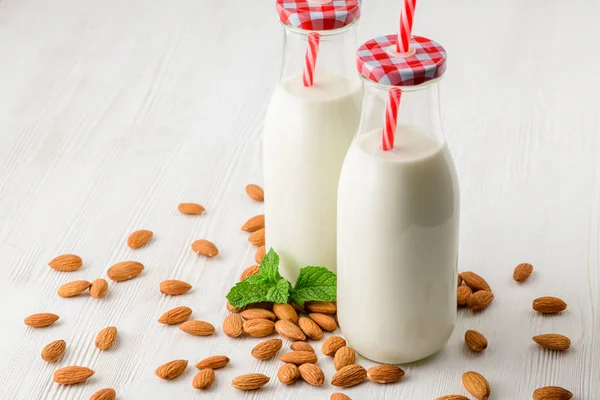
{"x": 310, "y": 122}
{"x": 398, "y": 210}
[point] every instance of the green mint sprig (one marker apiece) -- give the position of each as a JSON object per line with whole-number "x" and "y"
{"x": 313, "y": 284}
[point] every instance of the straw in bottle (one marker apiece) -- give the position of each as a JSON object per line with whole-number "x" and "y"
{"x": 391, "y": 118}
{"x": 310, "y": 59}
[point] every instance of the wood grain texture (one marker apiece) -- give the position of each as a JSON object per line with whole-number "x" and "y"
{"x": 114, "y": 112}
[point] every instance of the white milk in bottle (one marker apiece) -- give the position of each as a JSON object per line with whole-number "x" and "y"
{"x": 307, "y": 130}
{"x": 398, "y": 215}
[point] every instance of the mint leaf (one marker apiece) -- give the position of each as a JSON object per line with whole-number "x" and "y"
{"x": 255, "y": 279}
{"x": 280, "y": 293}
{"x": 244, "y": 293}
{"x": 315, "y": 284}
{"x": 269, "y": 267}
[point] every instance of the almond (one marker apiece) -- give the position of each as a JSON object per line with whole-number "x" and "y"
{"x": 265, "y": 305}
{"x": 553, "y": 341}
{"x": 53, "y": 350}
{"x": 324, "y": 321}
{"x": 285, "y": 312}
{"x": 288, "y": 374}
{"x": 73, "y": 288}
{"x": 475, "y": 341}
{"x": 343, "y": 357}
{"x": 190, "y": 208}
{"x": 98, "y": 288}
{"x": 310, "y": 328}
{"x": 385, "y": 374}
{"x": 299, "y": 357}
{"x": 552, "y": 393}
{"x": 250, "y": 381}
{"x": 248, "y": 272}
{"x": 323, "y": 307}
{"x": 197, "y": 328}
{"x": 139, "y": 238}
{"x": 255, "y": 223}
{"x": 302, "y": 346}
{"x": 174, "y": 287}
{"x": 257, "y": 313}
{"x": 106, "y": 337}
{"x": 213, "y": 362}
{"x": 104, "y": 394}
{"x": 476, "y": 384}
{"x": 204, "y": 379}
{"x": 460, "y": 280}
{"x": 289, "y": 330}
{"x": 475, "y": 281}
{"x": 549, "y": 305}
{"x": 261, "y": 252}
{"x": 259, "y": 327}
{"x": 66, "y": 263}
{"x": 125, "y": 270}
{"x": 452, "y": 397}
{"x": 312, "y": 374}
{"x": 480, "y": 300}
{"x": 233, "y": 326}
{"x": 72, "y": 375}
{"x": 350, "y": 375}
{"x": 205, "y": 248}
{"x": 255, "y": 192}
{"x": 175, "y": 316}
{"x": 171, "y": 370}
{"x": 41, "y": 320}
{"x": 267, "y": 349}
{"x": 462, "y": 295}
{"x": 340, "y": 396}
{"x": 232, "y": 309}
{"x": 332, "y": 344}
{"x": 257, "y": 238}
{"x": 522, "y": 272}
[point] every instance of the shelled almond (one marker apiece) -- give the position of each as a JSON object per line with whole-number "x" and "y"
{"x": 175, "y": 315}
{"x": 385, "y": 374}
{"x": 72, "y": 375}
{"x": 41, "y": 320}
{"x": 255, "y": 223}
{"x": 332, "y": 344}
{"x": 255, "y": 192}
{"x": 99, "y": 288}
{"x": 326, "y": 322}
{"x": 197, "y": 328}
{"x": 476, "y": 384}
{"x": 125, "y": 270}
{"x": 248, "y": 272}
{"x": 323, "y": 307}
{"x": 258, "y": 327}
{"x": 204, "y": 379}
{"x": 522, "y": 272}
{"x": 73, "y": 288}
{"x": 250, "y": 381}
{"x": 233, "y": 326}
{"x": 552, "y": 393}
{"x": 267, "y": 349}
{"x": 285, "y": 312}
{"x": 205, "y": 248}
{"x": 257, "y": 238}
{"x": 139, "y": 238}
{"x": 104, "y": 394}
{"x": 474, "y": 281}
{"x": 299, "y": 357}
{"x": 301, "y": 346}
{"x": 343, "y": 357}
{"x": 312, "y": 374}
{"x": 171, "y": 370}
{"x": 310, "y": 328}
{"x": 480, "y": 300}
{"x": 54, "y": 350}
{"x": 348, "y": 376}
{"x": 257, "y": 313}
{"x": 288, "y": 373}
{"x": 106, "y": 338}
{"x": 66, "y": 263}
{"x": 173, "y": 287}
{"x": 261, "y": 252}
{"x": 475, "y": 341}
{"x": 289, "y": 330}
{"x": 553, "y": 341}
{"x": 549, "y": 305}
{"x": 213, "y": 362}
{"x": 190, "y": 208}
{"x": 462, "y": 295}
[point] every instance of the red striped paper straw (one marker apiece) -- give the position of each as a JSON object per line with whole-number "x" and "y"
{"x": 310, "y": 60}
{"x": 406, "y": 23}
{"x": 391, "y": 118}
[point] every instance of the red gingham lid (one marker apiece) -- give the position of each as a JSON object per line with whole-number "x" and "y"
{"x": 377, "y": 61}
{"x": 318, "y": 15}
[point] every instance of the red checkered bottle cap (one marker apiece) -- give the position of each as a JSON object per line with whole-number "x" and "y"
{"x": 378, "y": 61}
{"x": 318, "y": 15}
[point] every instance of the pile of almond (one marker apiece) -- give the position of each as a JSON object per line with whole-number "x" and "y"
{"x": 291, "y": 322}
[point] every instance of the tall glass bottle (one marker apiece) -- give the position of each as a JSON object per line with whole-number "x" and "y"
{"x": 307, "y": 131}
{"x": 398, "y": 212}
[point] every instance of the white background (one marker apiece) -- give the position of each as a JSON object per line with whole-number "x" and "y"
{"x": 112, "y": 112}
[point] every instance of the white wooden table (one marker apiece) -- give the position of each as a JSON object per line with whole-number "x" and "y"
{"x": 112, "y": 112}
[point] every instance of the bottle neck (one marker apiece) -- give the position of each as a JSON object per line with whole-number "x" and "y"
{"x": 336, "y": 54}
{"x": 419, "y": 108}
